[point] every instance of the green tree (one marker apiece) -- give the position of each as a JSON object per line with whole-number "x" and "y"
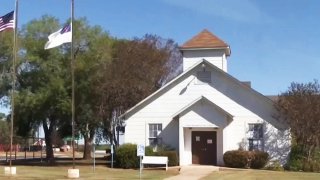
{"x": 6, "y": 49}
{"x": 43, "y": 91}
{"x": 299, "y": 107}
{"x": 93, "y": 51}
{"x": 2, "y": 116}
{"x": 4, "y": 132}
{"x": 139, "y": 67}
{"x": 110, "y": 76}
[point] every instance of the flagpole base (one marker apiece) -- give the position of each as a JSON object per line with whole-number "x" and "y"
{"x": 73, "y": 173}
{"x": 9, "y": 171}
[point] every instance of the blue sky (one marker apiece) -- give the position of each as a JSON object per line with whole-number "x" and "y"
{"x": 273, "y": 42}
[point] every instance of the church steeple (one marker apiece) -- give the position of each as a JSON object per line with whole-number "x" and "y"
{"x": 205, "y": 45}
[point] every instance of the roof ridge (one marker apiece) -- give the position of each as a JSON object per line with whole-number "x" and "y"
{"x": 204, "y": 39}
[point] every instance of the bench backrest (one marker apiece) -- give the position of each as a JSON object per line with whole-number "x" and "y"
{"x": 154, "y": 160}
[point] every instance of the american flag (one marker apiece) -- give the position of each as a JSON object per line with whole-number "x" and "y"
{"x": 65, "y": 29}
{"x": 6, "y": 21}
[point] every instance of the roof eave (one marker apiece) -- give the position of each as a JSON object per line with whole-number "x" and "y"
{"x": 123, "y": 116}
{"x": 226, "y": 48}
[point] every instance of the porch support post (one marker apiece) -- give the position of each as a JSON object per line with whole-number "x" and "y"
{"x": 181, "y": 144}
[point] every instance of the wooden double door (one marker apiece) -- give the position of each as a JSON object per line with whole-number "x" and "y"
{"x": 204, "y": 147}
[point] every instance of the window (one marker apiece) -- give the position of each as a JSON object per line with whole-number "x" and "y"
{"x": 203, "y": 77}
{"x": 255, "y": 137}
{"x": 154, "y": 132}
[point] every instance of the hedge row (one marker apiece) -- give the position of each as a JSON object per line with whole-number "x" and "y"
{"x": 172, "y": 157}
{"x": 245, "y": 159}
{"x": 126, "y": 156}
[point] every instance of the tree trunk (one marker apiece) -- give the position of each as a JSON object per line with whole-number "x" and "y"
{"x": 48, "y": 140}
{"x": 87, "y": 148}
{"x": 88, "y": 141}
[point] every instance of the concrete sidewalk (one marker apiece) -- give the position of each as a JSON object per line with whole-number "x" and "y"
{"x": 193, "y": 172}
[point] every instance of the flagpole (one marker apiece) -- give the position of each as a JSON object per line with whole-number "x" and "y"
{"x": 72, "y": 173}
{"x": 13, "y": 77}
{"x": 72, "y": 79}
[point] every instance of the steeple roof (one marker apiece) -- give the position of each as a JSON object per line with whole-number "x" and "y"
{"x": 205, "y": 40}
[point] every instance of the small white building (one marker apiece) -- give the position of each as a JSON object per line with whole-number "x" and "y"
{"x": 204, "y": 111}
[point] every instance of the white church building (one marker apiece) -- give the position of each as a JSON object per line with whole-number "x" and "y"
{"x": 205, "y": 111}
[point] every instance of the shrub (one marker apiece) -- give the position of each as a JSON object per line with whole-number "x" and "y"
{"x": 149, "y": 151}
{"x": 298, "y": 160}
{"x": 258, "y": 159}
{"x": 304, "y": 165}
{"x": 294, "y": 165}
{"x": 165, "y": 147}
{"x": 274, "y": 166}
{"x": 236, "y": 159}
{"x": 245, "y": 159}
{"x": 172, "y": 157}
{"x": 295, "y": 159}
{"x": 126, "y": 156}
{"x": 311, "y": 166}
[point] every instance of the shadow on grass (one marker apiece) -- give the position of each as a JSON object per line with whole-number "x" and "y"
{"x": 58, "y": 162}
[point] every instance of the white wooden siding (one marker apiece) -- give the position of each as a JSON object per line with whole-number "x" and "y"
{"x": 214, "y": 56}
{"x": 245, "y": 105}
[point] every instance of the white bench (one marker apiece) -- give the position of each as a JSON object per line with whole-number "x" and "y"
{"x": 155, "y": 160}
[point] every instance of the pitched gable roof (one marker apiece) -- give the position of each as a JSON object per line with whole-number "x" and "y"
{"x": 206, "y": 40}
{"x": 202, "y": 99}
{"x": 172, "y": 83}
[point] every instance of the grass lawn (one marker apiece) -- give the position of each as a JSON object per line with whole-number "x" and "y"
{"x": 86, "y": 172}
{"x": 33, "y": 168}
{"x": 261, "y": 175}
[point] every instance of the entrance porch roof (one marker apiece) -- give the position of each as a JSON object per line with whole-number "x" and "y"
{"x": 201, "y": 99}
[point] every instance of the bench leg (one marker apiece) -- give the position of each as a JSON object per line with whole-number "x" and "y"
{"x": 166, "y": 166}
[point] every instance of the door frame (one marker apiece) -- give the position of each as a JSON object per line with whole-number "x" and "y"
{"x": 214, "y": 138}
